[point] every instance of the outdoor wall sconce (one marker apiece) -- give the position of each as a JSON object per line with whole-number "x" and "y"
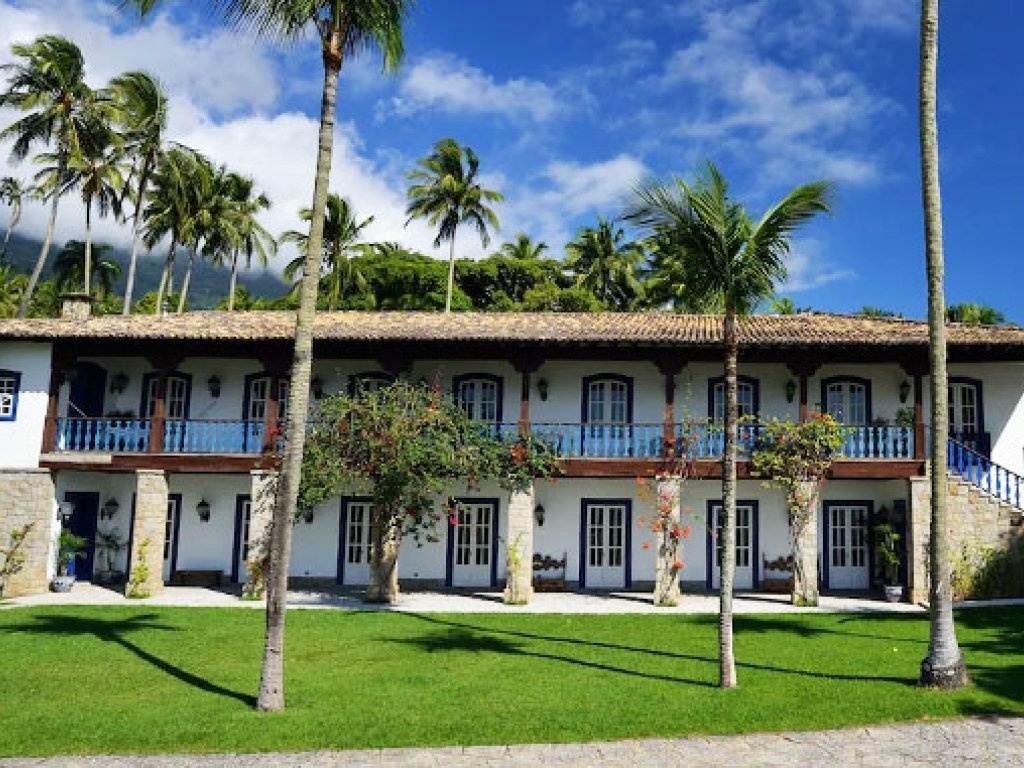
{"x": 65, "y": 509}
{"x": 317, "y": 386}
{"x": 904, "y": 390}
{"x": 203, "y": 510}
{"x": 790, "y": 390}
{"x": 110, "y": 509}
{"x": 307, "y": 516}
{"x": 214, "y": 384}
{"x": 118, "y": 383}
{"x": 542, "y": 388}
{"x": 539, "y": 514}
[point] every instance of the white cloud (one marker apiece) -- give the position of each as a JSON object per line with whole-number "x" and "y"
{"x": 451, "y": 84}
{"x": 809, "y": 269}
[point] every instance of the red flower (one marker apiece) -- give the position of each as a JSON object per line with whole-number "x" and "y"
{"x": 646, "y": 545}
{"x": 678, "y": 564}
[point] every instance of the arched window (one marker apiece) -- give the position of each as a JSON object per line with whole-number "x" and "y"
{"x": 480, "y": 396}
{"x": 748, "y": 397}
{"x": 257, "y": 395}
{"x": 177, "y": 396}
{"x": 607, "y": 399}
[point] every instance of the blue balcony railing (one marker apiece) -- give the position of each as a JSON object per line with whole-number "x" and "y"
{"x": 606, "y": 441}
{"x": 113, "y": 435}
{"x": 983, "y": 473}
{"x": 878, "y": 442}
{"x": 213, "y": 436}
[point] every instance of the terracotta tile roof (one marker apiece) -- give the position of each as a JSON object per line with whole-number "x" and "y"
{"x": 549, "y": 328}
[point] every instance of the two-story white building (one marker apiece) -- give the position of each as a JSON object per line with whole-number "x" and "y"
{"x": 161, "y": 429}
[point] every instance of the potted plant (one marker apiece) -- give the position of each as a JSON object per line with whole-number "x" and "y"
{"x": 889, "y": 556}
{"x": 110, "y": 543}
{"x": 69, "y": 547}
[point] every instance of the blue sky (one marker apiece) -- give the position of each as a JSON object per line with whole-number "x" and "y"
{"x": 569, "y": 102}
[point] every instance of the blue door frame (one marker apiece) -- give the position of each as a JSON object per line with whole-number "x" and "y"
{"x": 83, "y": 523}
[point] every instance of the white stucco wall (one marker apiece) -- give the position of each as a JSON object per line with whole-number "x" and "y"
{"x": 21, "y": 439}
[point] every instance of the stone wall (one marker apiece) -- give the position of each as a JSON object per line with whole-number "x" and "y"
{"x": 978, "y": 522}
{"x": 149, "y": 526}
{"x": 519, "y": 554}
{"x": 28, "y": 499}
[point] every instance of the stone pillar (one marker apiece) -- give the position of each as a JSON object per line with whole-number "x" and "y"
{"x": 918, "y": 533}
{"x": 263, "y": 494}
{"x": 668, "y": 515}
{"x": 28, "y": 499}
{"x": 519, "y": 548}
{"x": 804, "y": 543}
{"x": 145, "y": 562}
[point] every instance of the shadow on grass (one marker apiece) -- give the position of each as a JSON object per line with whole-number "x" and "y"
{"x": 461, "y": 636}
{"x": 117, "y": 631}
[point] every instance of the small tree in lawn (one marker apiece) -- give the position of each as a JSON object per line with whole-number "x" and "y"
{"x": 406, "y": 445}
{"x": 796, "y": 459}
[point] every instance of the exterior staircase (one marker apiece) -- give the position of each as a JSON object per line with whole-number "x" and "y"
{"x": 979, "y": 473}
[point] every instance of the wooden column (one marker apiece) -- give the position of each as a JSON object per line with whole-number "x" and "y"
{"x": 920, "y": 449}
{"x": 669, "y": 367}
{"x": 162, "y": 366}
{"x": 803, "y": 371}
{"x": 277, "y": 371}
{"x": 62, "y": 362}
{"x": 525, "y": 365}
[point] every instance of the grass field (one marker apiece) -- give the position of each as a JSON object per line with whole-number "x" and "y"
{"x": 144, "y": 680}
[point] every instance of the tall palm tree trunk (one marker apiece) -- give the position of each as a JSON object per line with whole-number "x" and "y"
{"x": 451, "y": 275}
{"x": 37, "y": 271}
{"x": 166, "y": 276}
{"x": 726, "y": 660}
{"x": 187, "y": 279}
{"x": 129, "y": 287}
{"x": 11, "y": 224}
{"x": 271, "y": 696}
{"x": 88, "y": 247}
{"x": 233, "y": 281}
{"x": 944, "y": 666}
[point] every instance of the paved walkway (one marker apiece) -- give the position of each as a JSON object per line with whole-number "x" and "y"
{"x": 976, "y": 742}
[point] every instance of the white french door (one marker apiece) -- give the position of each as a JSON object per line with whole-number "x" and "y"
{"x": 243, "y": 523}
{"x": 746, "y": 549}
{"x": 171, "y": 523}
{"x": 606, "y": 524}
{"x": 847, "y": 541}
{"x": 472, "y": 542}
{"x": 355, "y": 553}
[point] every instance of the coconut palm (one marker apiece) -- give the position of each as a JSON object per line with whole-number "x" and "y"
{"x": 48, "y": 83}
{"x": 142, "y": 112}
{"x": 12, "y": 193}
{"x": 69, "y": 267}
{"x": 341, "y": 240}
{"x": 726, "y": 255}
{"x": 237, "y": 230}
{"x": 164, "y": 212}
{"x": 522, "y": 247}
{"x": 944, "y": 666}
{"x": 97, "y": 169}
{"x": 606, "y": 264}
{"x": 204, "y": 203}
{"x": 343, "y": 28}
{"x": 446, "y": 192}
{"x": 12, "y": 284}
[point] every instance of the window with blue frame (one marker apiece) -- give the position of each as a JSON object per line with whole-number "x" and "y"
{"x": 847, "y": 399}
{"x": 748, "y": 398}
{"x": 480, "y": 396}
{"x": 10, "y": 383}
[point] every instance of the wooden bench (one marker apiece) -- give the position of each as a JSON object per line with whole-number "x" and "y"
{"x": 196, "y": 578}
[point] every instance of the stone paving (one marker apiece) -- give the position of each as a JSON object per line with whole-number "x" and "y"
{"x": 973, "y": 742}
{"x": 968, "y": 742}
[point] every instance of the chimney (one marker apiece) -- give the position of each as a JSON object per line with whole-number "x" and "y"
{"x": 76, "y": 306}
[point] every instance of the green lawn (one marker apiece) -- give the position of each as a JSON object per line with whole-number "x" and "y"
{"x": 138, "y": 679}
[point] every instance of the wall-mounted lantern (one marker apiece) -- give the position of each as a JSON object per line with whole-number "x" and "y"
{"x": 316, "y": 385}
{"x": 307, "y": 516}
{"x": 539, "y": 514}
{"x": 109, "y": 509}
{"x": 542, "y": 388}
{"x": 118, "y": 383}
{"x": 203, "y": 510}
{"x": 214, "y": 384}
{"x": 904, "y": 390}
{"x": 790, "y": 390}
{"x": 65, "y": 509}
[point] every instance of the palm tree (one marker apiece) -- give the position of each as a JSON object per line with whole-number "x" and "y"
{"x": 522, "y": 247}
{"x": 446, "y": 192}
{"x": 606, "y": 264}
{"x": 725, "y": 254}
{"x": 783, "y": 305}
{"x": 203, "y": 203}
{"x": 237, "y": 229}
{"x": 69, "y": 267}
{"x": 665, "y": 283}
{"x": 97, "y": 169}
{"x": 12, "y": 191}
{"x": 343, "y": 30}
{"x": 944, "y": 666}
{"x": 164, "y": 211}
{"x": 142, "y": 111}
{"x": 48, "y": 83}
{"x": 341, "y": 240}
{"x": 12, "y": 284}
